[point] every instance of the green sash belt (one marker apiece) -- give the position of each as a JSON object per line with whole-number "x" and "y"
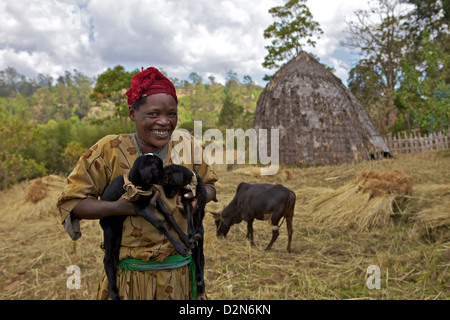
{"x": 171, "y": 262}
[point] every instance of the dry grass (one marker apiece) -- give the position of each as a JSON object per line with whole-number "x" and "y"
{"x": 31, "y": 200}
{"x": 366, "y": 202}
{"x": 383, "y": 182}
{"x": 327, "y": 262}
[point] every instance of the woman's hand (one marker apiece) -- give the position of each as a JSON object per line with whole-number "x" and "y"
{"x": 188, "y": 195}
{"x": 210, "y": 196}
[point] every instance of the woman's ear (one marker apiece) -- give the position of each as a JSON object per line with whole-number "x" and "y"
{"x": 131, "y": 114}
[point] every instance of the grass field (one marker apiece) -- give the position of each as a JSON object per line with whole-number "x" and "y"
{"x": 326, "y": 262}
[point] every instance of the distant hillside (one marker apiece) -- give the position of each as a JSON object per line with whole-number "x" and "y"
{"x": 205, "y": 102}
{"x": 45, "y": 124}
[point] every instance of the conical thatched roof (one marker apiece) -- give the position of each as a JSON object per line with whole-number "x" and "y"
{"x": 320, "y": 121}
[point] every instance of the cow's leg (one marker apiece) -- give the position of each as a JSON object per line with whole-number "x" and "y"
{"x": 289, "y": 230}
{"x": 275, "y": 233}
{"x": 250, "y": 231}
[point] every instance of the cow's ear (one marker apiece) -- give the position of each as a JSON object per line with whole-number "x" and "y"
{"x": 215, "y": 215}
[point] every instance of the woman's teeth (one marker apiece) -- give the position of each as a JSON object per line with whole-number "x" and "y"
{"x": 161, "y": 132}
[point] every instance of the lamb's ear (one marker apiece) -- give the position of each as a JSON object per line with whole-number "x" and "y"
{"x": 178, "y": 178}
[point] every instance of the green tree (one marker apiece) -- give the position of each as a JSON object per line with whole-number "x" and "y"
{"x": 81, "y": 88}
{"x": 232, "y": 81}
{"x": 404, "y": 59}
{"x": 249, "y": 83}
{"x": 8, "y": 82}
{"x": 71, "y": 154}
{"x": 423, "y": 96}
{"x": 230, "y": 112}
{"x": 433, "y": 17}
{"x": 293, "y": 30}
{"x": 195, "y": 79}
{"x": 379, "y": 34}
{"x": 15, "y": 137}
{"x": 112, "y": 85}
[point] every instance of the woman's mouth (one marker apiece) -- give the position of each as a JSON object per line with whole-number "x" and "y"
{"x": 161, "y": 133}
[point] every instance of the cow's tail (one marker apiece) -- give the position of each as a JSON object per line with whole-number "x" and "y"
{"x": 289, "y": 213}
{"x": 291, "y": 207}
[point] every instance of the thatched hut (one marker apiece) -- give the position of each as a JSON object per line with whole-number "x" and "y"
{"x": 320, "y": 121}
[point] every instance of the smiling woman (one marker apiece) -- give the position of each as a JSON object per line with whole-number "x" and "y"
{"x": 155, "y": 118}
{"x": 153, "y": 108}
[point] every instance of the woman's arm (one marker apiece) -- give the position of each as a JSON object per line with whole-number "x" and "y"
{"x": 97, "y": 209}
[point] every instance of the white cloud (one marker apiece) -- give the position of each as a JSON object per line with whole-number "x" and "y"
{"x": 180, "y": 36}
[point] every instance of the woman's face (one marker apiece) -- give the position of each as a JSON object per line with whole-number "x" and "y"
{"x": 155, "y": 121}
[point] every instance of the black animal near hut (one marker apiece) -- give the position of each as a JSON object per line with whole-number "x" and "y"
{"x": 320, "y": 121}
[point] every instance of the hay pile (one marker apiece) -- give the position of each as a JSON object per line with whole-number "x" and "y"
{"x": 35, "y": 198}
{"x": 434, "y": 209}
{"x": 368, "y": 201}
{"x": 381, "y": 183}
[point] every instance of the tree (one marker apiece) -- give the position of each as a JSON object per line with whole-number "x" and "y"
{"x": 366, "y": 85}
{"x": 12, "y": 83}
{"x": 15, "y": 137}
{"x": 428, "y": 25}
{"x": 232, "y": 80}
{"x": 423, "y": 95}
{"x": 230, "y": 112}
{"x": 8, "y": 79}
{"x": 81, "y": 88}
{"x": 432, "y": 16}
{"x": 112, "y": 85}
{"x": 380, "y": 36}
{"x": 404, "y": 60}
{"x": 212, "y": 80}
{"x": 195, "y": 78}
{"x": 293, "y": 30}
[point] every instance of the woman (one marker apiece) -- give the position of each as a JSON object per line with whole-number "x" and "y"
{"x": 153, "y": 107}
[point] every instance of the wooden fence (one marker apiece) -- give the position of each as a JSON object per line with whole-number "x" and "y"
{"x": 415, "y": 142}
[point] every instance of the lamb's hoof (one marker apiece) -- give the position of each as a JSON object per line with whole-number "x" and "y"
{"x": 113, "y": 295}
{"x": 185, "y": 252}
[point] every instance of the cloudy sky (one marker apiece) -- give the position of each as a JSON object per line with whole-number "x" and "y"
{"x": 208, "y": 37}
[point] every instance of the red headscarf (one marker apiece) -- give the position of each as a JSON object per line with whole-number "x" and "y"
{"x": 147, "y": 82}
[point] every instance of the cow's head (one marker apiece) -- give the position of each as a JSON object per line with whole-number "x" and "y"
{"x": 222, "y": 227}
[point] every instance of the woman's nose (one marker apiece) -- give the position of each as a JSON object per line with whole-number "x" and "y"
{"x": 163, "y": 120}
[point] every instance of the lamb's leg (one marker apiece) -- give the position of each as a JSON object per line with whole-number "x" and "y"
{"x": 112, "y": 239}
{"x": 171, "y": 221}
{"x": 189, "y": 209}
{"x": 148, "y": 215}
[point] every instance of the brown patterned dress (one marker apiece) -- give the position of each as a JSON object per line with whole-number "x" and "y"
{"x": 110, "y": 157}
